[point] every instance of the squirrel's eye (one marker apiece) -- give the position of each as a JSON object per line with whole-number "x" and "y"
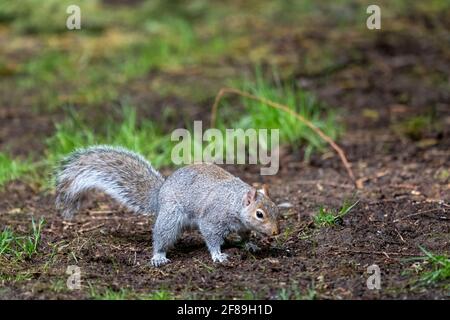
{"x": 259, "y": 214}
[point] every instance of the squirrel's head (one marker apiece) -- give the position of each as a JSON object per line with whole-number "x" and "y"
{"x": 260, "y": 213}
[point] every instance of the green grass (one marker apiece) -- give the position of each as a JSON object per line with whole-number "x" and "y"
{"x": 415, "y": 127}
{"x": 436, "y": 267}
{"x": 292, "y": 132}
{"x": 329, "y": 217}
{"x": 144, "y": 137}
{"x": 250, "y": 295}
{"x": 58, "y": 285}
{"x": 159, "y": 295}
{"x": 294, "y": 293}
{"x": 17, "y": 277}
{"x": 29, "y": 244}
{"x": 127, "y": 294}
{"x": 11, "y": 169}
{"x": 109, "y": 294}
{"x": 21, "y": 247}
{"x": 6, "y": 240}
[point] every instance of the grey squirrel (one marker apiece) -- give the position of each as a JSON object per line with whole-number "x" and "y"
{"x": 202, "y": 196}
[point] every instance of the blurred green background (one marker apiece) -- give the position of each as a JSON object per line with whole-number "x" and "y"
{"x": 139, "y": 69}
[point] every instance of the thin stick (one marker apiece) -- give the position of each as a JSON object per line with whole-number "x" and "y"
{"x": 285, "y": 108}
{"x": 402, "y": 254}
{"x": 82, "y": 230}
{"x": 420, "y": 213}
{"x": 331, "y": 184}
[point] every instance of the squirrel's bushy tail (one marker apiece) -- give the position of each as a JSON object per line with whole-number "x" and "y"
{"x": 124, "y": 175}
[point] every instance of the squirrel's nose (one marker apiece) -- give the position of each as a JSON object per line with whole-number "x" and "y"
{"x": 275, "y": 230}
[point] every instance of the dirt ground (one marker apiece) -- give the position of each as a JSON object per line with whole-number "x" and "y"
{"x": 405, "y": 202}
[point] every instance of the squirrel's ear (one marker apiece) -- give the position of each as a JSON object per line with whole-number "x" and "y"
{"x": 250, "y": 197}
{"x": 265, "y": 190}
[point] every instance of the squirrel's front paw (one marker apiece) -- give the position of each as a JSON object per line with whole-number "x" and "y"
{"x": 159, "y": 260}
{"x": 251, "y": 247}
{"x": 220, "y": 257}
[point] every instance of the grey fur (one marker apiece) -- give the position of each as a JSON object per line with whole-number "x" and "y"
{"x": 202, "y": 196}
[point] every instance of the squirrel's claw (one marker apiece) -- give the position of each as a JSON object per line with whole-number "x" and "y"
{"x": 251, "y": 247}
{"x": 159, "y": 260}
{"x": 220, "y": 257}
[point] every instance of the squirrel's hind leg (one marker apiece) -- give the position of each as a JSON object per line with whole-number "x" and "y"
{"x": 168, "y": 226}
